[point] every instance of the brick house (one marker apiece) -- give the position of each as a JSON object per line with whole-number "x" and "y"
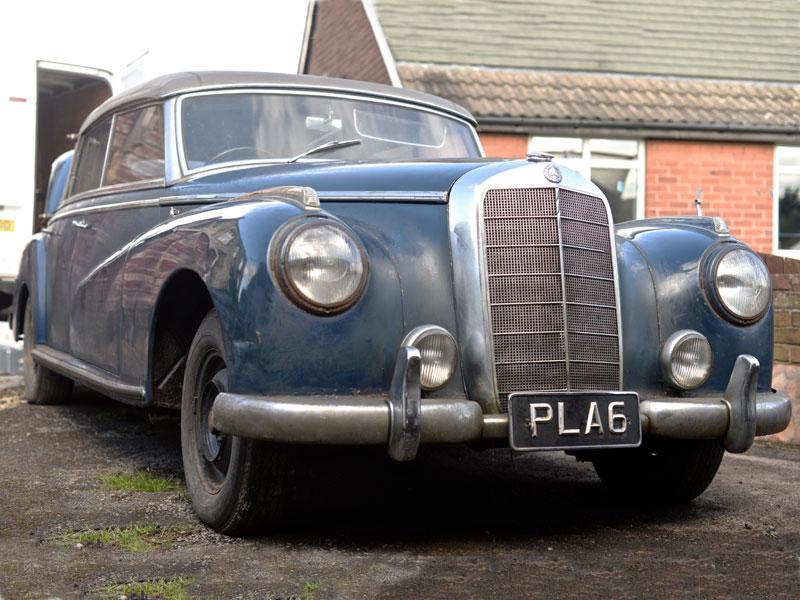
{"x": 657, "y": 104}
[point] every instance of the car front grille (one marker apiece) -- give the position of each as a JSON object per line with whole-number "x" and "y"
{"x": 552, "y": 293}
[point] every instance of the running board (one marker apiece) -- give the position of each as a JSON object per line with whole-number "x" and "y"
{"x": 92, "y": 377}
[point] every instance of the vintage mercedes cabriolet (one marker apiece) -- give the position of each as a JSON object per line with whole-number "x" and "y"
{"x": 293, "y": 260}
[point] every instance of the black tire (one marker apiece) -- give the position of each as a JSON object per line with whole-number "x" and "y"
{"x": 42, "y": 386}
{"x": 660, "y": 472}
{"x": 238, "y": 486}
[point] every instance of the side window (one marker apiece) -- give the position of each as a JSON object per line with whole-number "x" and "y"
{"x": 91, "y": 155}
{"x": 137, "y": 147}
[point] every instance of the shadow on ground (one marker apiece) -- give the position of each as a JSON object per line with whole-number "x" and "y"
{"x": 358, "y": 496}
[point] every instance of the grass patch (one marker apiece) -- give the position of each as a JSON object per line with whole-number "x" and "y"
{"x": 165, "y": 589}
{"x": 139, "y": 538}
{"x": 140, "y": 481}
{"x": 309, "y": 587}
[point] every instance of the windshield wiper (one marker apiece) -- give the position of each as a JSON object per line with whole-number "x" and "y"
{"x": 325, "y": 148}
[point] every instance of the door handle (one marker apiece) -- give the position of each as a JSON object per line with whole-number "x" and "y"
{"x": 80, "y": 223}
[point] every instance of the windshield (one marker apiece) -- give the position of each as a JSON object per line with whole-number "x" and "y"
{"x": 249, "y": 126}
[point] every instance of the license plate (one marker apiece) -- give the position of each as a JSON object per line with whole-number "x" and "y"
{"x": 574, "y": 420}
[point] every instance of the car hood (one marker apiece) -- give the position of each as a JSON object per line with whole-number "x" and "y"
{"x": 335, "y": 176}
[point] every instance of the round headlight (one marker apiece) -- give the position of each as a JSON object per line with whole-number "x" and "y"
{"x": 742, "y": 282}
{"x": 439, "y": 355}
{"x": 323, "y": 266}
{"x": 686, "y": 359}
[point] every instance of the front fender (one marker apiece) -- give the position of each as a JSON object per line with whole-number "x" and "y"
{"x": 661, "y": 292}
{"x": 272, "y": 345}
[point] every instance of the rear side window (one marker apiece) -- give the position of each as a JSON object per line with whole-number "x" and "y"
{"x": 91, "y": 156}
{"x": 137, "y": 147}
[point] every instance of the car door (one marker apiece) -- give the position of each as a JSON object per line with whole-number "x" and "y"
{"x": 61, "y": 233}
{"x": 126, "y": 207}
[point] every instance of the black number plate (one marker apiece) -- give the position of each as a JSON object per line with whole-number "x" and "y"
{"x": 574, "y": 420}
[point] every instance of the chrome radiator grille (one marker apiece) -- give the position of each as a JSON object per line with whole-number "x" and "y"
{"x": 552, "y": 294}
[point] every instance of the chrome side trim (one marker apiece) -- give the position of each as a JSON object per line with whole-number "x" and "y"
{"x": 384, "y": 196}
{"x": 135, "y": 186}
{"x": 131, "y": 204}
{"x": 91, "y": 376}
{"x": 195, "y": 199}
{"x": 469, "y": 264}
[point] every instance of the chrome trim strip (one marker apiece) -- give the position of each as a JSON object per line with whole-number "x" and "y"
{"x": 130, "y": 204}
{"x": 289, "y": 91}
{"x": 613, "y": 238}
{"x": 91, "y": 376}
{"x": 108, "y": 150}
{"x": 195, "y": 199}
{"x": 387, "y": 196}
{"x": 563, "y": 278}
{"x": 119, "y": 188}
{"x": 172, "y": 167}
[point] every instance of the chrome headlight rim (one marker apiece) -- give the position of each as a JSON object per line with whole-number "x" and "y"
{"x": 279, "y": 250}
{"x": 715, "y": 299}
{"x": 668, "y": 351}
{"x": 416, "y": 335}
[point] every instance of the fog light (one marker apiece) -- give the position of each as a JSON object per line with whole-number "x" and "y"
{"x": 686, "y": 359}
{"x": 439, "y": 355}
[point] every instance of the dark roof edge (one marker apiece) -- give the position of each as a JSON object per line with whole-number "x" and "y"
{"x": 174, "y": 84}
{"x": 697, "y": 131}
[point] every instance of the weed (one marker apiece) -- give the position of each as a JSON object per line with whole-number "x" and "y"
{"x": 309, "y": 587}
{"x": 139, "y": 538}
{"x": 165, "y": 589}
{"x": 140, "y": 481}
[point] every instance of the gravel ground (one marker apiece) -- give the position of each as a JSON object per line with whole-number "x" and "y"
{"x": 455, "y": 524}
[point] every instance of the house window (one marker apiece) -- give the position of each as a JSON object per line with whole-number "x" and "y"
{"x": 615, "y": 166}
{"x": 787, "y": 188}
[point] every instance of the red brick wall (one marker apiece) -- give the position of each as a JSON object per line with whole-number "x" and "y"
{"x": 786, "y": 370}
{"x": 786, "y": 297}
{"x": 736, "y": 179}
{"x": 504, "y": 145}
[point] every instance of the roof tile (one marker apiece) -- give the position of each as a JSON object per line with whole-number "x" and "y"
{"x": 608, "y": 98}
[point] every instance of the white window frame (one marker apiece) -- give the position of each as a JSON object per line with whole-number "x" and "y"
{"x": 777, "y": 171}
{"x": 586, "y": 163}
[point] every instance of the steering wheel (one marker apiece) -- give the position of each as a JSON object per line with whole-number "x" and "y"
{"x": 239, "y": 149}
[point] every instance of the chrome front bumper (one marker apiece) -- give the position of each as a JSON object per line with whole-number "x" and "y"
{"x": 403, "y": 420}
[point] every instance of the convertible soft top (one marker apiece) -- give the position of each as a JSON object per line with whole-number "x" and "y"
{"x": 179, "y": 83}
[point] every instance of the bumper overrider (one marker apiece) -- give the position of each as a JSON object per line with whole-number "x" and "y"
{"x": 403, "y": 420}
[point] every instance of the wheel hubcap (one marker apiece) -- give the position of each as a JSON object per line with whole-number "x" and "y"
{"x": 213, "y": 447}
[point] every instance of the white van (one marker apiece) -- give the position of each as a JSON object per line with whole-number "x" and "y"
{"x": 42, "y": 106}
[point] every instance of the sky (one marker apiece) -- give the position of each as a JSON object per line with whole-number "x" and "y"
{"x": 165, "y": 36}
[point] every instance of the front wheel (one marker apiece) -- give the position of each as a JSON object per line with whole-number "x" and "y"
{"x": 42, "y": 386}
{"x": 662, "y": 471}
{"x": 238, "y": 486}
